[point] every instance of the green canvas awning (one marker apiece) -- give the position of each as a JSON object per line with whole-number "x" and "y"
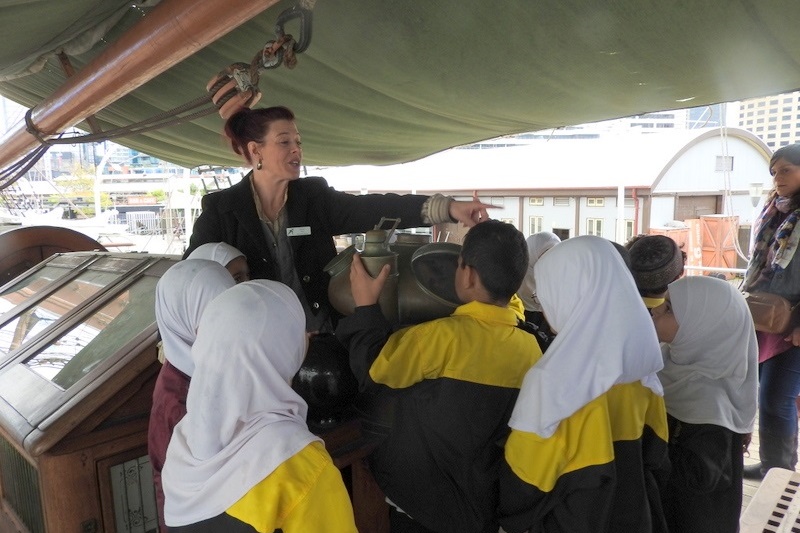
{"x": 386, "y": 82}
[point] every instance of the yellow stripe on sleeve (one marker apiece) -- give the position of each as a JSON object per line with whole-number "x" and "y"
{"x": 587, "y": 437}
{"x": 458, "y": 347}
{"x": 305, "y": 493}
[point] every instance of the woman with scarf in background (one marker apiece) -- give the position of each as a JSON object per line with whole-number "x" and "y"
{"x": 775, "y": 268}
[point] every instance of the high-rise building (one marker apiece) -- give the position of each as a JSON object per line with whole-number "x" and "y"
{"x": 714, "y": 115}
{"x": 775, "y": 119}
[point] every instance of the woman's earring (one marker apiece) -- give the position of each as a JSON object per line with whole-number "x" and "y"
{"x": 259, "y": 165}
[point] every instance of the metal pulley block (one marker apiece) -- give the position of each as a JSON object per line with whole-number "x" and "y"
{"x": 234, "y": 88}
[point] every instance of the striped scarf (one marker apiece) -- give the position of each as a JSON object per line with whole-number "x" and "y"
{"x": 772, "y": 234}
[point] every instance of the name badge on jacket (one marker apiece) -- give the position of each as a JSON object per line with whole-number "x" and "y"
{"x": 299, "y": 231}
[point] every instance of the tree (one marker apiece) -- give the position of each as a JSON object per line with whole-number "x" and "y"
{"x": 160, "y": 195}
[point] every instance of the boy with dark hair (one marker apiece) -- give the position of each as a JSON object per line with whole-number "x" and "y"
{"x": 455, "y": 381}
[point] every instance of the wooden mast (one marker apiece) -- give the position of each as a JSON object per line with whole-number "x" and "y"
{"x": 173, "y": 31}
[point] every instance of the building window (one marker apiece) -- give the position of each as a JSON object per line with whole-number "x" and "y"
{"x": 512, "y": 221}
{"x": 628, "y": 230}
{"x": 785, "y": 134}
{"x": 771, "y": 128}
{"x": 724, "y": 162}
{"x": 629, "y": 202}
{"x": 595, "y": 202}
{"x": 561, "y": 233}
{"x": 561, "y": 201}
{"x": 786, "y": 117}
{"x": 770, "y": 136}
{"x": 535, "y": 224}
{"x": 594, "y": 226}
{"x": 536, "y": 200}
{"x": 785, "y": 126}
{"x": 773, "y": 102}
{"x": 499, "y": 201}
{"x": 759, "y": 121}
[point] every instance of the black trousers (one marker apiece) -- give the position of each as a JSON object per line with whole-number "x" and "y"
{"x": 402, "y": 523}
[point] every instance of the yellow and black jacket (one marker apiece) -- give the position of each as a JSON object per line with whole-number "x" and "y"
{"x": 601, "y": 471}
{"x": 454, "y": 382}
{"x": 305, "y": 494}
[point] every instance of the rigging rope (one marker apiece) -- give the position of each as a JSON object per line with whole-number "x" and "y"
{"x": 164, "y": 119}
{"x": 727, "y": 198}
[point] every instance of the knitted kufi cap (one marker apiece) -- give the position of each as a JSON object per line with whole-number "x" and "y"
{"x": 656, "y": 261}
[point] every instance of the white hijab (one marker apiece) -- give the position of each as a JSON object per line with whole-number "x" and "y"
{"x": 221, "y": 252}
{"x": 182, "y": 294}
{"x": 604, "y": 334}
{"x": 243, "y": 418}
{"x": 710, "y": 373}
{"x": 538, "y": 244}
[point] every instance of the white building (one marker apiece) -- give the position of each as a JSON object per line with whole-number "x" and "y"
{"x": 572, "y": 186}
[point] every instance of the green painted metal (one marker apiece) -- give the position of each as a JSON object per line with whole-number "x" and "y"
{"x": 386, "y": 82}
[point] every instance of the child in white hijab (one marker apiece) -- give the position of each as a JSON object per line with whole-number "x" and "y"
{"x": 588, "y": 432}
{"x": 182, "y": 294}
{"x": 538, "y": 244}
{"x": 243, "y": 458}
{"x": 227, "y": 256}
{"x": 710, "y": 380}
